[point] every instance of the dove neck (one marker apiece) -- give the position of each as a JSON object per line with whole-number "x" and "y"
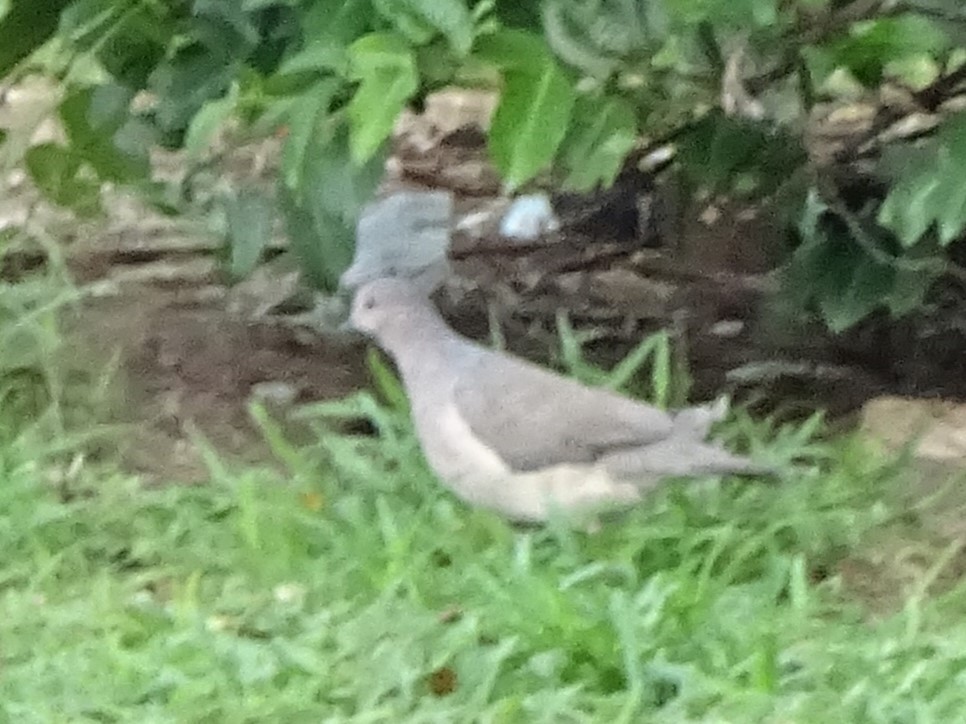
{"x": 421, "y": 343}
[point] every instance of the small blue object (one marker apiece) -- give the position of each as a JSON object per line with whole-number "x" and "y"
{"x": 528, "y": 218}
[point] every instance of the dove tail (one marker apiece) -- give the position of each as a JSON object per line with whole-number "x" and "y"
{"x": 679, "y": 457}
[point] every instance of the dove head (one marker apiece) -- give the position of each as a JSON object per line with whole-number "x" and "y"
{"x": 393, "y": 311}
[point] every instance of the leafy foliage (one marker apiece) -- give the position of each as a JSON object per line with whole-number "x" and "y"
{"x": 603, "y": 131}
{"x": 930, "y": 191}
{"x": 850, "y": 280}
{"x": 57, "y": 171}
{"x": 581, "y": 82}
{"x": 534, "y": 111}
{"x": 866, "y": 49}
{"x": 739, "y": 156}
{"x": 24, "y": 27}
{"x": 385, "y": 67}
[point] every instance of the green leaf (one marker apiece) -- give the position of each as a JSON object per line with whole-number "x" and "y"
{"x": 530, "y": 122}
{"x": 930, "y": 188}
{"x": 534, "y": 111}
{"x": 907, "y": 210}
{"x": 452, "y": 18}
{"x": 725, "y": 14}
{"x": 868, "y": 284}
{"x": 26, "y": 26}
{"x": 340, "y": 20}
{"x": 206, "y": 123}
{"x": 303, "y": 118}
{"x": 568, "y": 40}
{"x": 514, "y": 50}
{"x": 224, "y": 28}
{"x": 387, "y": 383}
{"x": 952, "y": 217}
{"x": 951, "y": 200}
{"x": 822, "y": 268}
{"x": 600, "y": 38}
{"x": 872, "y": 44}
{"x": 909, "y": 289}
{"x": 84, "y": 21}
{"x": 185, "y": 83}
{"x": 322, "y": 243}
{"x": 129, "y": 40}
{"x": 56, "y": 171}
{"x": 329, "y": 27}
{"x": 411, "y": 26}
{"x": 720, "y": 152}
{"x": 603, "y": 133}
{"x": 320, "y": 55}
{"x": 719, "y": 147}
{"x": 421, "y": 20}
{"x": 321, "y": 213}
{"x": 334, "y": 183}
{"x": 842, "y": 278}
{"x": 249, "y": 215}
{"x": 516, "y": 14}
{"x": 101, "y": 131}
{"x": 386, "y": 67}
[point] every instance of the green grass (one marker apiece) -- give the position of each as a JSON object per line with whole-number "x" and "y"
{"x": 353, "y": 588}
{"x": 343, "y": 583}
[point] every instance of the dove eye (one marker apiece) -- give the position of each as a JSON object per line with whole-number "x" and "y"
{"x": 369, "y": 303}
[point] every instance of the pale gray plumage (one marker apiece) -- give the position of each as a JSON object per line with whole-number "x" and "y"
{"x": 510, "y": 435}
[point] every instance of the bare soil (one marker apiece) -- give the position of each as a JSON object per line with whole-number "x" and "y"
{"x": 197, "y": 367}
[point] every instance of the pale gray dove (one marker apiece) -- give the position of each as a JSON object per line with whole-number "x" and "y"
{"x": 506, "y": 434}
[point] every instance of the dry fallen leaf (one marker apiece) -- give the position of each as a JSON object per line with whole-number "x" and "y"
{"x": 443, "y": 681}
{"x": 312, "y": 500}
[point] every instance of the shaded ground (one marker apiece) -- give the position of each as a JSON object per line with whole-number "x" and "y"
{"x": 184, "y": 365}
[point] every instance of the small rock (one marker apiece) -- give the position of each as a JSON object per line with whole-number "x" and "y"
{"x": 450, "y": 109}
{"x": 937, "y": 427}
{"x": 274, "y": 392}
{"x": 727, "y": 328}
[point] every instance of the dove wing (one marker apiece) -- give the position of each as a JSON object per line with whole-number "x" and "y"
{"x": 533, "y": 418}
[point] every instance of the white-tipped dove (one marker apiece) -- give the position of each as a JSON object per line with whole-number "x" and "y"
{"x": 511, "y": 436}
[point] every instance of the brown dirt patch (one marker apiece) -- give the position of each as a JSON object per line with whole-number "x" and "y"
{"x": 186, "y": 368}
